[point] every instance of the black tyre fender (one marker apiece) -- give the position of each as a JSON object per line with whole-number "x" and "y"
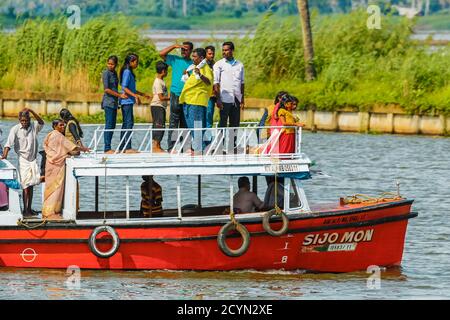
{"x": 93, "y": 242}
{"x": 268, "y": 228}
{"x": 222, "y": 236}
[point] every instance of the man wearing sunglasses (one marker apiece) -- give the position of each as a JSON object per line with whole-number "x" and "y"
{"x": 179, "y": 64}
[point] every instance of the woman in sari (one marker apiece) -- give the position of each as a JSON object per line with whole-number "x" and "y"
{"x": 57, "y": 148}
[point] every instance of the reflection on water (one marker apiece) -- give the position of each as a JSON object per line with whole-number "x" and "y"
{"x": 355, "y": 163}
{"x": 248, "y": 284}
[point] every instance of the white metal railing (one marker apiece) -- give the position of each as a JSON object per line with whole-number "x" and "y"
{"x": 248, "y": 140}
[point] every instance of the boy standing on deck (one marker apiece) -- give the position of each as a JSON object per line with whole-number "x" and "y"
{"x": 159, "y": 105}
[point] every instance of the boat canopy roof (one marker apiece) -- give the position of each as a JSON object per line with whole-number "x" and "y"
{"x": 145, "y": 164}
{"x": 230, "y": 151}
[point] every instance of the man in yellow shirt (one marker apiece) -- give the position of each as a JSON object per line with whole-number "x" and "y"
{"x": 195, "y": 96}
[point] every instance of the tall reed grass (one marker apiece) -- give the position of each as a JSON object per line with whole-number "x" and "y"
{"x": 44, "y": 55}
{"x": 356, "y": 66}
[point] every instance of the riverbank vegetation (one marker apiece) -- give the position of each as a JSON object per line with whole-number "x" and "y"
{"x": 357, "y": 67}
{"x": 46, "y": 56}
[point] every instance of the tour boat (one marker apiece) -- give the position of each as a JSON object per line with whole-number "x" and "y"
{"x": 349, "y": 234}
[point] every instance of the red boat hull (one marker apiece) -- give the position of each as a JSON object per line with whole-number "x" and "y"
{"x": 346, "y": 238}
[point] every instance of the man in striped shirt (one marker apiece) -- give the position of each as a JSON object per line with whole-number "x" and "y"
{"x": 151, "y": 204}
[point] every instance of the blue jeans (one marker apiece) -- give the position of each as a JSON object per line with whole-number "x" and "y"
{"x": 128, "y": 123}
{"x": 110, "y": 123}
{"x": 210, "y": 118}
{"x": 176, "y": 119}
{"x": 210, "y": 112}
{"x": 196, "y": 118}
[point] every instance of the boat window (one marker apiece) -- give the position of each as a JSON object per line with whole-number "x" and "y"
{"x": 294, "y": 196}
{"x": 120, "y": 196}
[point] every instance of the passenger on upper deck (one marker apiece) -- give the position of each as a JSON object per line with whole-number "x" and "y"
{"x": 23, "y": 138}
{"x": 128, "y": 84}
{"x": 151, "y": 204}
{"x": 287, "y": 118}
{"x": 195, "y": 96}
{"x": 158, "y": 105}
{"x": 179, "y": 64}
{"x": 245, "y": 200}
{"x": 110, "y": 101}
{"x": 57, "y": 148}
{"x": 73, "y": 130}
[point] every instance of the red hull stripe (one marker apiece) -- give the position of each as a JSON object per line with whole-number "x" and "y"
{"x": 299, "y": 230}
{"x": 186, "y": 224}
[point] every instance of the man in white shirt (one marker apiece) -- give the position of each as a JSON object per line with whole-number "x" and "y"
{"x": 245, "y": 200}
{"x": 229, "y": 87}
{"x": 23, "y": 138}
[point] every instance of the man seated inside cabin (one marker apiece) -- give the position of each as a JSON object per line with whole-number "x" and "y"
{"x": 151, "y": 204}
{"x": 244, "y": 200}
{"x": 269, "y": 198}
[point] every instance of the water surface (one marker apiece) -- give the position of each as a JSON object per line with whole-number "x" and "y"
{"x": 355, "y": 163}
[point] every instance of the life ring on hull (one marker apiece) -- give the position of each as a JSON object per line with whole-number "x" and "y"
{"x": 93, "y": 242}
{"x": 222, "y": 237}
{"x": 268, "y": 228}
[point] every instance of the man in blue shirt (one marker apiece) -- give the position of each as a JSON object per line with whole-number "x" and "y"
{"x": 179, "y": 65}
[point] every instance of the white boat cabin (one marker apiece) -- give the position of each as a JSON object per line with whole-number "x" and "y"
{"x": 227, "y": 154}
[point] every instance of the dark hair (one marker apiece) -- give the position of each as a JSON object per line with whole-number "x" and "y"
{"x": 161, "y": 66}
{"x": 210, "y": 48}
{"x": 243, "y": 181}
{"x": 295, "y": 101}
{"x": 126, "y": 65}
{"x": 285, "y": 99}
{"x": 190, "y": 44}
{"x": 201, "y": 52}
{"x": 24, "y": 114}
{"x": 278, "y": 96}
{"x": 56, "y": 122}
{"x": 114, "y": 59}
{"x": 66, "y": 115}
{"x": 228, "y": 43}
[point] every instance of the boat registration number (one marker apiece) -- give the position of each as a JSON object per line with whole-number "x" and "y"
{"x": 282, "y": 168}
{"x": 342, "y": 247}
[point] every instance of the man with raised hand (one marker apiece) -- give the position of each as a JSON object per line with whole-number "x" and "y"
{"x": 23, "y": 138}
{"x": 179, "y": 64}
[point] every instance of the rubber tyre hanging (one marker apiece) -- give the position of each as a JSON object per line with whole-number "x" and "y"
{"x": 222, "y": 237}
{"x": 268, "y": 228}
{"x": 93, "y": 242}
